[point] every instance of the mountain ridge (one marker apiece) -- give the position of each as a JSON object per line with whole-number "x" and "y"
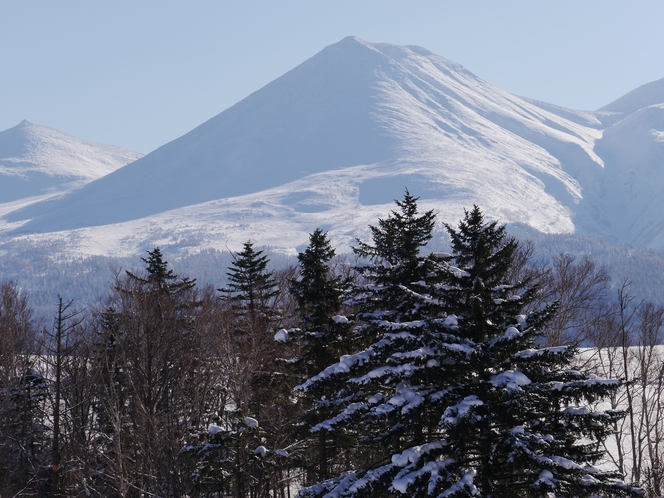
{"x": 337, "y": 138}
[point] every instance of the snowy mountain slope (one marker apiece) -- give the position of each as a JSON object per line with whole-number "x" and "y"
{"x": 403, "y": 109}
{"x": 333, "y": 142}
{"x": 38, "y": 162}
{"x": 630, "y": 203}
{"x": 644, "y": 96}
{"x": 314, "y": 118}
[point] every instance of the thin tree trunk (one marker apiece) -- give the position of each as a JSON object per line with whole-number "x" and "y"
{"x": 56, "y": 456}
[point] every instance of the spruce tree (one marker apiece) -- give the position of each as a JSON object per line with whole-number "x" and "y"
{"x": 516, "y": 414}
{"x": 396, "y": 265}
{"x": 394, "y": 276}
{"x": 454, "y": 398}
{"x": 322, "y": 338}
{"x": 319, "y": 295}
{"x": 160, "y": 277}
{"x": 234, "y": 458}
{"x": 251, "y": 286}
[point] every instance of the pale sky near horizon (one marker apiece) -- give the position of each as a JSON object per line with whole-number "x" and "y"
{"x": 139, "y": 74}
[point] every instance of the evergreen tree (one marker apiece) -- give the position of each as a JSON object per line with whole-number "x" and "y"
{"x": 250, "y": 293}
{"x": 453, "y": 398}
{"x": 319, "y": 295}
{"x": 394, "y": 276}
{"x": 251, "y": 286}
{"x": 515, "y": 414}
{"x": 231, "y": 457}
{"x": 160, "y": 277}
{"x": 396, "y": 263}
{"x": 324, "y": 336}
{"x": 318, "y": 292}
{"x": 485, "y": 254}
{"x": 392, "y": 283}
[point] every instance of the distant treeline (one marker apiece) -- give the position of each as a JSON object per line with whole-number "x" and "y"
{"x": 41, "y": 270}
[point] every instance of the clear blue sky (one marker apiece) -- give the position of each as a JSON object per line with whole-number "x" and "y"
{"x": 139, "y": 73}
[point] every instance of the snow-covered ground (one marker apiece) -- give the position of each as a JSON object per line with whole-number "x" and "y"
{"x": 638, "y": 441}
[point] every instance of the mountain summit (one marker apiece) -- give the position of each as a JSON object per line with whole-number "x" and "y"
{"x": 36, "y": 159}
{"x": 345, "y": 132}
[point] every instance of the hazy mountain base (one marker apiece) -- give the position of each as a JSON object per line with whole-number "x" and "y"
{"x": 643, "y": 268}
{"x": 45, "y": 276}
{"x": 88, "y": 280}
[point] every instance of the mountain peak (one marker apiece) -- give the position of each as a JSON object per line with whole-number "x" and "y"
{"x": 352, "y": 39}
{"x": 644, "y": 96}
{"x": 36, "y": 159}
{"x": 353, "y": 105}
{"x": 33, "y": 147}
{"x": 346, "y": 131}
{"x": 388, "y": 50}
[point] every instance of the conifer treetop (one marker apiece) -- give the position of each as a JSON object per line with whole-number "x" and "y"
{"x": 250, "y": 284}
{"x": 400, "y": 236}
{"x": 160, "y": 276}
{"x": 482, "y": 248}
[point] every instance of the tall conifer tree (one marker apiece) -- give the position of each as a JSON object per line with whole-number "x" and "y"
{"x": 323, "y": 337}
{"x": 317, "y": 291}
{"x": 160, "y": 277}
{"x": 238, "y": 455}
{"x": 396, "y": 265}
{"x": 319, "y": 294}
{"x": 394, "y": 275}
{"x": 251, "y": 286}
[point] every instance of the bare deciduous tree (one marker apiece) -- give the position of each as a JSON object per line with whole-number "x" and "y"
{"x": 627, "y": 341}
{"x": 23, "y": 390}
{"x": 581, "y": 288}
{"x": 150, "y": 372}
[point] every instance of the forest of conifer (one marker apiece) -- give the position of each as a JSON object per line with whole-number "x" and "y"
{"x": 478, "y": 372}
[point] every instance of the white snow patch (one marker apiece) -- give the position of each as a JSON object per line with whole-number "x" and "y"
{"x": 511, "y": 380}
{"x": 376, "y": 398}
{"x": 529, "y": 353}
{"x": 214, "y": 429}
{"x": 250, "y": 422}
{"x": 412, "y": 455}
{"x": 659, "y": 135}
{"x": 261, "y": 450}
{"x": 546, "y": 477}
{"x": 511, "y": 333}
{"x": 460, "y": 410}
{"x": 281, "y": 336}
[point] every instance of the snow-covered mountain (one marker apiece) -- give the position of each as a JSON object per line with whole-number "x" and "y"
{"x": 332, "y": 142}
{"x": 38, "y": 163}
